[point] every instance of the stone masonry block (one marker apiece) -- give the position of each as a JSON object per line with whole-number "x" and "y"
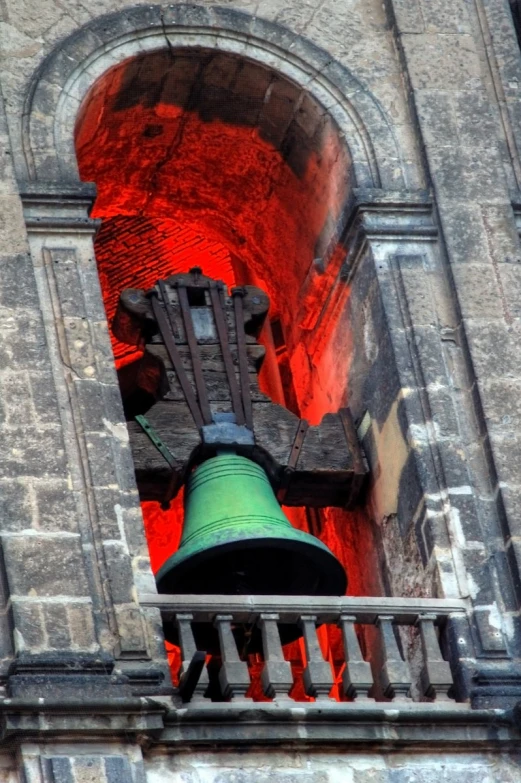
{"x": 513, "y": 560}
{"x": 123, "y": 458}
{"x": 465, "y": 520}
{"x": 133, "y": 525}
{"x": 58, "y": 769}
{"x": 107, "y": 499}
{"x": 29, "y": 625}
{"x": 80, "y": 348}
{"x": 143, "y": 577}
{"x": 23, "y": 453}
{"x": 410, "y": 493}
{"x": 507, "y": 575}
{"x": 494, "y": 349}
{"x": 507, "y": 455}
{"x": 455, "y": 464}
{"x": 441, "y": 18}
{"x": 89, "y": 770}
{"x": 490, "y": 631}
{"x": 417, "y": 285}
{"x": 479, "y": 293}
{"x": 443, "y": 62}
{"x": 503, "y": 396}
{"x": 13, "y": 234}
{"x": 81, "y": 627}
{"x": 112, "y": 403}
{"x": 43, "y": 103}
{"x": 431, "y": 531}
{"x": 463, "y": 223}
{"x": 155, "y": 638}
{"x": 509, "y": 276}
{"x": 120, "y": 572}
{"x": 408, "y": 16}
{"x": 511, "y": 500}
{"x": 57, "y": 626}
{"x": 429, "y": 346}
{"x": 105, "y": 369}
{"x": 476, "y": 118}
{"x": 478, "y": 576}
{"x": 52, "y": 565}
{"x": 17, "y": 284}
{"x": 43, "y": 396}
{"x": 68, "y": 283}
{"x": 130, "y": 630}
{"x": 56, "y": 504}
{"x": 121, "y": 518}
{"x": 117, "y": 769}
{"x": 16, "y": 389}
{"x": 502, "y": 234}
{"x": 94, "y": 307}
{"x": 17, "y": 509}
{"x": 226, "y": 18}
{"x": 431, "y": 772}
{"x": 465, "y": 118}
{"x": 53, "y": 626}
{"x": 444, "y": 416}
{"x": 436, "y": 112}
{"x": 90, "y": 403}
{"x": 101, "y": 461}
{"x": 465, "y": 174}
{"x": 23, "y": 344}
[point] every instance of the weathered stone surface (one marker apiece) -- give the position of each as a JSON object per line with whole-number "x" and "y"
{"x": 443, "y": 420}
{"x": 53, "y": 565}
{"x": 335, "y": 768}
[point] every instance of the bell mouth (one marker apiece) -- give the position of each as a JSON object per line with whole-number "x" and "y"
{"x": 256, "y": 567}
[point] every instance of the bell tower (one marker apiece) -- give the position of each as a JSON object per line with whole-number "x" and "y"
{"x": 259, "y": 316}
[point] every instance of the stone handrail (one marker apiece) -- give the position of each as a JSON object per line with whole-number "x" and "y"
{"x": 387, "y": 676}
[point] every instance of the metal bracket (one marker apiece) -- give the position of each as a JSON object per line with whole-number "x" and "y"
{"x": 293, "y": 459}
{"x": 156, "y": 440}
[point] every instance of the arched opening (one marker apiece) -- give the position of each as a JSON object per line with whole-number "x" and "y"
{"x": 208, "y": 159}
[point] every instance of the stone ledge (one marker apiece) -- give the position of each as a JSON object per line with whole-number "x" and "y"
{"x": 51, "y": 207}
{"x": 456, "y": 726}
{"x": 248, "y": 724}
{"x": 24, "y": 719}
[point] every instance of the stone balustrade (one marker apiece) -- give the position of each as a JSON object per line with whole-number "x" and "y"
{"x": 384, "y": 673}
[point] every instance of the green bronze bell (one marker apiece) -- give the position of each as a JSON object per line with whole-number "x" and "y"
{"x": 236, "y": 540}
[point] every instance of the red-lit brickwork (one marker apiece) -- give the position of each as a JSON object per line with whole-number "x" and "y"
{"x": 136, "y": 252}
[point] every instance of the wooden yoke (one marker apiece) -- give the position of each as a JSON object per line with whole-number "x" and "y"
{"x": 195, "y": 392}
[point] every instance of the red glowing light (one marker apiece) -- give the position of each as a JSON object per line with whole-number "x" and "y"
{"x": 136, "y": 251}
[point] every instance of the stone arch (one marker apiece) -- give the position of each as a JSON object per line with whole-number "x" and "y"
{"x": 67, "y": 74}
{"x": 299, "y": 283}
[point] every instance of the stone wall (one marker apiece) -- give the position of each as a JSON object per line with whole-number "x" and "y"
{"x": 336, "y": 767}
{"x": 426, "y": 94}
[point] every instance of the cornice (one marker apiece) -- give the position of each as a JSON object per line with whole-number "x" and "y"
{"x": 56, "y": 208}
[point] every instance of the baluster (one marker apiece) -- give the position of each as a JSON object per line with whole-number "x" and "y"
{"x": 396, "y": 677}
{"x": 234, "y": 677}
{"x": 436, "y": 676}
{"x": 318, "y": 679}
{"x": 188, "y": 651}
{"x": 276, "y": 675}
{"x": 357, "y": 677}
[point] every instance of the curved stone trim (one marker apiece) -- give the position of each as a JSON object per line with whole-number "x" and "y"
{"x": 66, "y": 75}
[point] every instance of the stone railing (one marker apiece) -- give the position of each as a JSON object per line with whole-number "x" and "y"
{"x": 382, "y": 674}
